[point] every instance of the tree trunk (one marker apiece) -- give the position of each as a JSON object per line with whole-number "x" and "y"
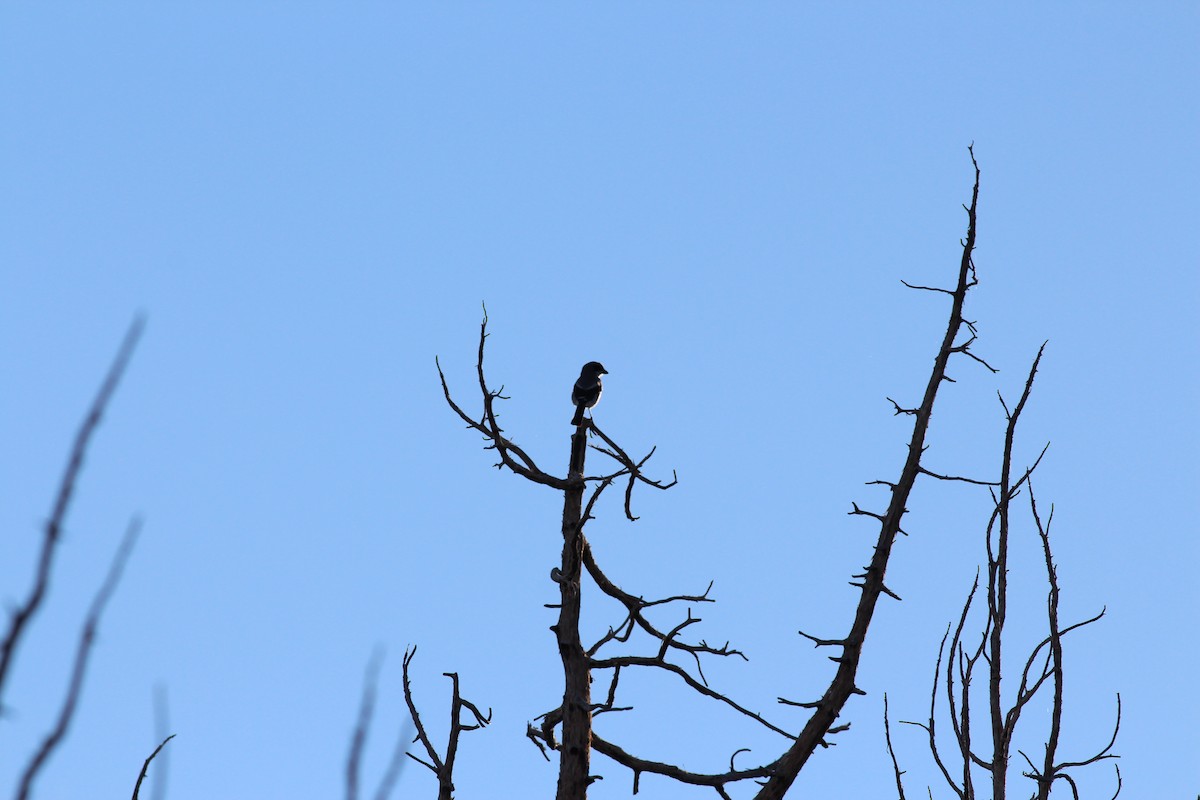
{"x": 576, "y": 746}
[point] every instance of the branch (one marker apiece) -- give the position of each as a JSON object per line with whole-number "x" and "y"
{"x": 358, "y": 740}
{"x": 629, "y": 467}
{"x": 443, "y": 769}
{"x": 887, "y": 735}
{"x": 635, "y": 606}
{"x": 83, "y": 650}
{"x": 137, "y": 787}
{"x": 843, "y": 683}
{"x": 658, "y": 663}
{"x": 26, "y": 610}
{"x": 511, "y": 455}
{"x": 640, "y": 765}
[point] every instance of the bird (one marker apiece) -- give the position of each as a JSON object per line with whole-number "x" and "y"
{"x": 587, "y": 389}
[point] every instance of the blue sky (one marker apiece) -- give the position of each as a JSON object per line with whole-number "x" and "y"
{"x": 311, "y": 201}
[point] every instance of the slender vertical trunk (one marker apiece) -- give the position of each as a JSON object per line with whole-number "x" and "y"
{"x": 998, "y": 609}
{"x": 576, "y": 745}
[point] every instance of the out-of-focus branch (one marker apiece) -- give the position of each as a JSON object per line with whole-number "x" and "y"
{"x": 83, "y": 649}
{"x": 26, "y": 610}
{"x": 358, "y": 739}
{"x": 162, "y": 724}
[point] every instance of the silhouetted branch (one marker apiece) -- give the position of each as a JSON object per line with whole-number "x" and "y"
{"x": 842, "y": 686}
{"x": 887, "y": 734}
{"x": 1044, "y": 664}
{"x": 636, "y": 605}
{"x": 629, "y": 467}
{"x": 692, "y": 683}
{"x": 137, "y": 787}
{"x": 442, "y": 767}
{"x": 640, "y": 765}
{"x": 511, "y": 455}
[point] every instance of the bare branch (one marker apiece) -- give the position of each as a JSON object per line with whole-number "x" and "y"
{"x": 957, "y": 478}
{"x": 137, "y": 787}
{"x": 422, "y": 735}
{"x": 887, "y": 734}
{"x": 629, "y": 467}
{"x": 511, "y": 455}
{"x": 83, "y": 650}
{"x": 1104, "y": 752}
{"x": 442, "y": 768}
{"x": 697, "y": 686}
{"x": 927, "y": 288}
{"x": 53, "y": 530}
{"x": 840, "y": 689}
{"x": 640, "y": 765}
{"x": 636, "y": 605}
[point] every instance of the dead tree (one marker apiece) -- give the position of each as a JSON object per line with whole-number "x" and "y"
{"x": 442, "y": 764}
{"x": 1043, "y": 667}
{"x": 22, "y": 615}
{"x": 569, "y": 728}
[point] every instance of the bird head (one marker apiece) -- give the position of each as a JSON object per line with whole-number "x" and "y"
{"x": 594, "y": 368}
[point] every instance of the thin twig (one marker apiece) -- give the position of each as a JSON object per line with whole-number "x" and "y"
{"x": 137, "y": 787}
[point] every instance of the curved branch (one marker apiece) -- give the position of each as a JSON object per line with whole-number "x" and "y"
{"x": 511, "y": 455}
{"x": 26, "y": 610}
{"x": 87, "y": 638}
{"x": 640, "y": 765}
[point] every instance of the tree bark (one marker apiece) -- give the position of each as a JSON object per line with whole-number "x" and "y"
{"x": 576, "y": 746}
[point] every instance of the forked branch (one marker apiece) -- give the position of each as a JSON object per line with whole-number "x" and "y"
{"x": 1042, "y": 668}
{"x": 442, "y": 766}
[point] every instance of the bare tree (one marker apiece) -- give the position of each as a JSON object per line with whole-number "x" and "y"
{"x": 570, "y": 728}
{"x": 1043, "y": 667}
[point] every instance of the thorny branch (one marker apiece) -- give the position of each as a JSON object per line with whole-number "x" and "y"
{"x": 827, "y": 710}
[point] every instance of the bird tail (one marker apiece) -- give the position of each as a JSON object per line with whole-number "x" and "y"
{"x": 577, "y": 420}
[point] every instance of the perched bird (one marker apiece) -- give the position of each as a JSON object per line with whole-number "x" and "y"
{"x": 587, "y": 389}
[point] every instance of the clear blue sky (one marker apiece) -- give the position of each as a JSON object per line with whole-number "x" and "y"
{"x": 309, "y": 201}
